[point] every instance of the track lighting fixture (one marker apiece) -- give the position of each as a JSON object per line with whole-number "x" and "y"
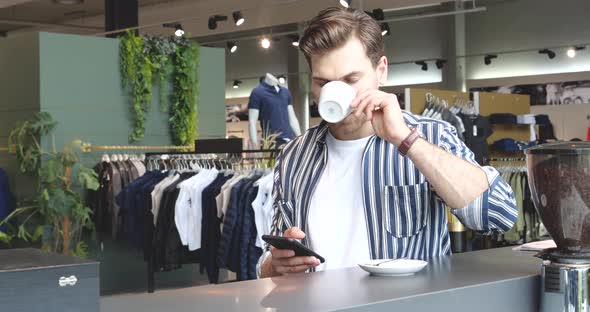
{"x": 68, "y": 2}
{"x": 571, "y": 52}
{"x": 423, "y": 64}
{"x": 378, "y": 14}
{"x": 265, "y": 43}
{"x": 488, "y": 58}
{"x": 238, "y": 18}
{"x": 237, "y": 84}
{"x": 282, "y": 79}
{"x": 232, "y": 47}
{"x": 345, "y": 3}
{"x": 294, "y": 40}
{"x": 550, "y": 53}
{"x": 178, "y": 30}
{"x": 385, "y": 31}
{"x": 214, "y": 19}
{"x": 440, "y": 63}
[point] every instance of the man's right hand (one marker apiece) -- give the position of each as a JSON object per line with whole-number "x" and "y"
{"x": 283, "y": 261}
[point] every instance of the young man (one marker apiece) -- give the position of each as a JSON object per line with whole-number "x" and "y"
{"x": 375, "y": 185}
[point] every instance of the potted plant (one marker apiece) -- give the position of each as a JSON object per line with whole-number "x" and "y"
{"x": 58, "y": 213}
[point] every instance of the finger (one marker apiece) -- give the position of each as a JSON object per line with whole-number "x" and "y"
{"x": 294, "y": 261}
{"x": 295, "y": 233}
{"x": 359, "y": 97}
{"x": 281, "y": 253}
{"x": 362, "y": 105}
{"x": 294, "y": 269}
{"x": 378, "y": 105}
{"x": 367, "y": 105}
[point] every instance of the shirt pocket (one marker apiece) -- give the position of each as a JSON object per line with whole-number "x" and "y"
{"x": 406, "y": 209}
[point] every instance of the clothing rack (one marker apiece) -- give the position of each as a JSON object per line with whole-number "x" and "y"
{"x": 151, "y": 266}
{"x": 431, "y": 98}
{"x": 87, "y": 147}
{"x": 508, "y": 159}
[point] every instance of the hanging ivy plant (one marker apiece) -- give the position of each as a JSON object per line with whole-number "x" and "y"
{"x": 160, "y": 52}
{"x": 136, "y": 74}
{"x": 183, "y": 116}
{"x": 146, "y": 58}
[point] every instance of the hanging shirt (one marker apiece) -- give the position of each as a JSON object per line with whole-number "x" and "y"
{"x": 195, "y": 214}
{"x": 158, "y": 192}
{"x": 262, "y": 206}
{"x": 343, "y": 241}
{"x": 273, "y": 107}
{"x": 6, "y": 198}
{"x": 183, "y": 205}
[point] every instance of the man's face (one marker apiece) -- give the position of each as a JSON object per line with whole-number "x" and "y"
{"x": 349, "y": 64}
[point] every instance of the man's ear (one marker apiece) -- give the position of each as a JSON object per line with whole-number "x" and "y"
{"x": 382, "y": 71}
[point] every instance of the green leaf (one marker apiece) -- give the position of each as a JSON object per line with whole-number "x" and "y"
{"x": 81, "y": 250}
{"x": 23, "y": 233}
{"x": 88, "y": 178}
{"x": 5, "y": 238}
{"x": 38, "y": 233}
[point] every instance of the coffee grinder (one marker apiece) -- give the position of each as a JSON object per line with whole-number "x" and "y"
{"x": 559, "y": 179}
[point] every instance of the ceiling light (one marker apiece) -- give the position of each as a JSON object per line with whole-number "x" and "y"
{"x": 440, "y": 63}
{"x": 488, "y": 58}
{"x": 68, "y": 2}
{"x": 178, "y": 30}
{"x": 237, "y": 84}
{"x": 265, "y": 43}
{"x": 295, "y": 40}
{"x": 571, "y": 52}
{"x": 214, "y": 19}
{"x": 282, "y": 79}
{"x": 423, "y": 64}
{"x": 385, "y": 29}
{"x": 549, "y": 53}
{"x": 238, "y": 18}
{"x": 345, "y": 3}
{"x": 232, "y": 47}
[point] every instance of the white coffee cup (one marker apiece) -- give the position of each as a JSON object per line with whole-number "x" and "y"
{"x": 335, "y": 100}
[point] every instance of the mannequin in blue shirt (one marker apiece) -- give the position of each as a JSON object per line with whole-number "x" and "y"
{"x": 272, "y": 104}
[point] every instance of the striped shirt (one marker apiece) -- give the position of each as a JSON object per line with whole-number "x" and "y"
{"x": 405, "y": 217}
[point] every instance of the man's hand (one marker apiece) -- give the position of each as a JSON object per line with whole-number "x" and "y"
{"x": 284, "y": 261}
{"x": 383, "y": 110}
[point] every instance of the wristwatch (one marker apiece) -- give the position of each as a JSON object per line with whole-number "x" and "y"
{"x": 414, "y": 135}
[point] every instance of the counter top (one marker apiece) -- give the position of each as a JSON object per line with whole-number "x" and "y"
{"x": 488, "y": 280}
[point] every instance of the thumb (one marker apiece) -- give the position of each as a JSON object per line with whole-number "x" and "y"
{"x": 295, "y": 233}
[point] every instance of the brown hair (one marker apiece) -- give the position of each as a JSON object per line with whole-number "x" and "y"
{"x": 332, "y": 28}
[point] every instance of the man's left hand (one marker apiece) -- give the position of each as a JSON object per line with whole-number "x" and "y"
{"x": 384, "y": 112}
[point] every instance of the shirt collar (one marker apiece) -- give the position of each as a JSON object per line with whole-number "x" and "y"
{"x": 268, "y": 86}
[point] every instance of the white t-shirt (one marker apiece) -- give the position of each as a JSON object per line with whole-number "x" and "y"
{"x": 336, "y": 220}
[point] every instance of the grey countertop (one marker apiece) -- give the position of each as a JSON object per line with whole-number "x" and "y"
{"x": 488, "y": 280}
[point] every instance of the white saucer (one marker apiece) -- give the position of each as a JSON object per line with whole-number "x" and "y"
{"x": 395, "y": 267}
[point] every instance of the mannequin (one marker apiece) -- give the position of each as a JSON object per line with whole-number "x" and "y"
{"x": 271, "y": 103}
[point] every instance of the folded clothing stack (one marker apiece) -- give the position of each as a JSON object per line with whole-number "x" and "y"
{"x": 527, "y": 119}
{"x": 511, "y": 145}
{"x": 503, "y": 119}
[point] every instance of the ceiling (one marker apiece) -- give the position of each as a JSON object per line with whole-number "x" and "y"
{"x": 18, "y": 16}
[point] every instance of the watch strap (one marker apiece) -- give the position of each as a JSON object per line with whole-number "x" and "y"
{"x": 404, "y": 147}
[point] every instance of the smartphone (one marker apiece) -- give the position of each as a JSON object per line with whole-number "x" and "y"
{"x": 280, "y": 242}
